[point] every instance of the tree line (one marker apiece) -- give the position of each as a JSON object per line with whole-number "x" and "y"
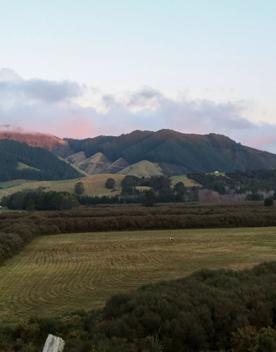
{"x": 40, "y": 200}
{"x": 17, "y": 229}
{"x": 147, "y": 191}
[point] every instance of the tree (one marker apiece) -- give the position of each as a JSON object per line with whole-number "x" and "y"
{"x": 180, "y": 190}
{"x": 149, "y": 199}
{"x": 268, "y": 202}
{"x": 129, "y": 183}
{"x": 110, "y": 183}
{"x": 79, "y": 188}
{"x": 219, "y": 187}
{"x": 254, "y": 196}
{"x": 160, "y": 183}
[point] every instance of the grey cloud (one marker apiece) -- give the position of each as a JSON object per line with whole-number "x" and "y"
{"x": 144, "y": 97}
{"x": 190, "y": 114}
{"x": 51, "y": 91}
{"x": 14, "y": 87}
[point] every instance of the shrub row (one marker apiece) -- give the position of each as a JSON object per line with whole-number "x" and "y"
{"x": 22, "y": 227}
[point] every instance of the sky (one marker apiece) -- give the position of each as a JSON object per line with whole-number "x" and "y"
{"x": 84, "y": 68}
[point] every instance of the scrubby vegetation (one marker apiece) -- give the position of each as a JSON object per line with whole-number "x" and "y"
{"x": 12, "y": 243}
{"x": 209, "y": 311}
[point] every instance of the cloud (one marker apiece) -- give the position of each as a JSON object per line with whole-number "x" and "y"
{"x": 146, "y": 98}
{"x": 12, "y": 86}
{"x": 69, "y": 109}
{"x": 8, "y": 75}
{"x": 149, "y": 109}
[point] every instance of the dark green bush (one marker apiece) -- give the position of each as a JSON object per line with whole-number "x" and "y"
{"x": 268, "y": 202}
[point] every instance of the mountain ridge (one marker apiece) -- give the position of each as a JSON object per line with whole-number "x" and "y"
{"x": 176, "y": 152}
{"x": 172, "y": 151}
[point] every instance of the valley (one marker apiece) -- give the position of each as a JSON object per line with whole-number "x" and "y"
{"x": 137, "y": 176}
{"x": 87, "y": 224}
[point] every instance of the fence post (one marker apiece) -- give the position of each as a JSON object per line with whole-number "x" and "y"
{"x": 53, "y": 344}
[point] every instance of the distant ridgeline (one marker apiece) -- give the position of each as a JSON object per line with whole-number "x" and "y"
{"x": 139, "y": 153}
{"x": 21, "y": 161}
{"x": 165, "y": 152}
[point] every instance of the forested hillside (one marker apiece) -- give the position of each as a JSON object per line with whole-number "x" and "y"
{"x": 21, "y": 161}
{"x": 146, "y": 153}
{"x": 176, "y": 152}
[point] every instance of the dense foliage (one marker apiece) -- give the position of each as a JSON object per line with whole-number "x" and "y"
{"x": 160, "y": 189}
{"x": 40, "y": 200}
{"x": 239, "y": 181}
{"x": 12, "y": 243}
{"x": 20, "y": 161}
{"x": 218, "y": 310}
{"x": 268, "y": 202}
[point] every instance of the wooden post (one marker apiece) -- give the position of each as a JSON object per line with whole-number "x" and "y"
{"x": 53, "y": 344}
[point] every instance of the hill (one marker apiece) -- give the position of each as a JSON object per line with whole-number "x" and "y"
{"x": 21, "y": 161}
{"x": 175, "y": 152}
{"x": 34, "y": 139}
{"x": 95, "y": 164}
{"x": 143, "y": 168}
{"x": 170, "y": 152}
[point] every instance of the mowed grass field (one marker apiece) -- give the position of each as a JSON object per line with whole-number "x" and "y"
{"x": 61, "y": 273}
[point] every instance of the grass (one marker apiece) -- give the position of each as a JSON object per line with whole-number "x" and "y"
{"x": 23, "y": 166}
{"x": 94, "y": 185}
{"x": 143, "y": 168}
{"x": 60, "y": 273}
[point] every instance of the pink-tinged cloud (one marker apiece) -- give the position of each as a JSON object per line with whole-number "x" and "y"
{"x": 78, "y": 127}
